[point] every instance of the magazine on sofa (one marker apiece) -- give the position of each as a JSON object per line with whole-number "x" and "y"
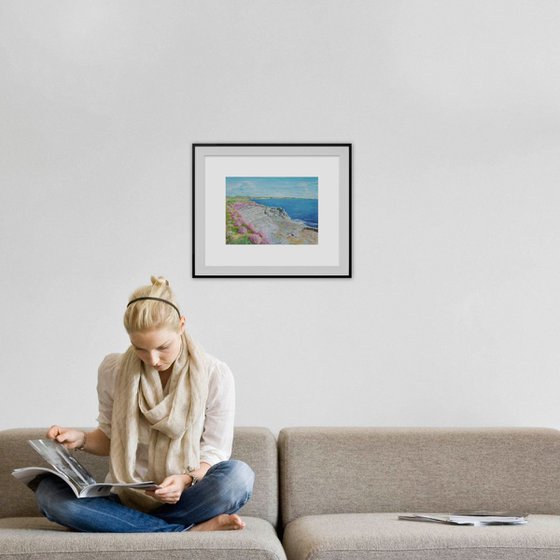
{"x": 476, "y": 518}
{"x": 68, "y": 468}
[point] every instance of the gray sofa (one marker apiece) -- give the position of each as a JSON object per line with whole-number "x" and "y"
{"x": 25, "y": 535}
{"x": 342, "y": 489}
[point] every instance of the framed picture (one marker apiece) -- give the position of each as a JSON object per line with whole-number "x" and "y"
{"x": 272, "y": 210}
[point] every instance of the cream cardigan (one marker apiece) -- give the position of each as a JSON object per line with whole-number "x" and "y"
{"x": 217, "y": 437}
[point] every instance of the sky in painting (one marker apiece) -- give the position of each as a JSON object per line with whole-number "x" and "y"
{"x": 273, "y": 187}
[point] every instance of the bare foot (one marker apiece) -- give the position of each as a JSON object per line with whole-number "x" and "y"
{"x": 222, "y": 522}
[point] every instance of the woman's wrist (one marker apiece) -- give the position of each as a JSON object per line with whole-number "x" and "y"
{"x": 185, "y": 480}
{"x": 190, "y": 479}
{"x": 82, "y": 447}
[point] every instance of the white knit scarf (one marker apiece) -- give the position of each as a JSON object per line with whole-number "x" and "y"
{"x": 174, "y": 419}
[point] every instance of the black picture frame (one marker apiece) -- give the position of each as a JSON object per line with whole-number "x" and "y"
{"x": 226, "y": 245}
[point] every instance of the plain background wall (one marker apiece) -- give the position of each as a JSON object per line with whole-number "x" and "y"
{"x": 453, "y": 108}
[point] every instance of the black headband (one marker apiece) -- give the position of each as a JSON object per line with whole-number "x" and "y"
{"x": 155, "y": 299}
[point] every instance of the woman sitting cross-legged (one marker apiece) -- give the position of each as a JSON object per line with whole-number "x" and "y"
{"x": 166, "y": 412}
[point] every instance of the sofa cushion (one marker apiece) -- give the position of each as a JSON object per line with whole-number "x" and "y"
{"x": 382, "y": 536}
{"x": 361, "y": 470}
{"x": 38, "y": 539}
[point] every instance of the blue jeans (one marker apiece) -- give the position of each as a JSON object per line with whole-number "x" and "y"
{"x": 226, "y": 487}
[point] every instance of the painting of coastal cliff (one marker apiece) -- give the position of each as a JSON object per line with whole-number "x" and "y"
{"x": 272, "y": 210}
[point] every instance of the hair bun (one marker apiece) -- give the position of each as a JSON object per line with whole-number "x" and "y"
{"x": 159, "y": 281}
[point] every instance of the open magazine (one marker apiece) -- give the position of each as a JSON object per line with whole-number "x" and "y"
{"x": 477, "y": 519}
{"x": 68, "y": 468}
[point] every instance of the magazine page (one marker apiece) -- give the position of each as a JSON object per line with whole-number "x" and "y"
{"x": 63, "y": 462}
{"x": 428, "y": 518}
{"x": 104, "y": 488}
{"x": 69, "y": 469}
{"x": 489, "y": 518}
{"x": 477, "y": 519}
{"x": 28, "y": 474}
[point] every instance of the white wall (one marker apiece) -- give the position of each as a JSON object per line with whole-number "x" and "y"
{"x": 452, "y": 317}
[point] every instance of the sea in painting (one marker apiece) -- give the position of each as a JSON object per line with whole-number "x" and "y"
{"x": 272, "y": 210}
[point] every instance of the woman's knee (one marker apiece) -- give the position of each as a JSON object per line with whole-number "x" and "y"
{"x": 243, "y": 475}
{"x": 54, "y": 498}
{"x": 46, "y": 489}
{"x": 233, "y": 469}
{"x": 239, "y": 479}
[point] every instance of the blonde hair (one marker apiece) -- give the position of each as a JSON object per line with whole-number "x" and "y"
{"x": 148, "y": 314}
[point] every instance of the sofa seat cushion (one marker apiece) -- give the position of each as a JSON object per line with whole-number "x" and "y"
{"x": 35, "y": 538}
{"x": 383, "y": 536}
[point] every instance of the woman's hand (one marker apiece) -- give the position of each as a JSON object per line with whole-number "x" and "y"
{"x": 171, "y": 488}
{"x": 70, "y": 438}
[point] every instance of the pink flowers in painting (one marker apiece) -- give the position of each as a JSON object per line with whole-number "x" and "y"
{"x": 242, "y": 229}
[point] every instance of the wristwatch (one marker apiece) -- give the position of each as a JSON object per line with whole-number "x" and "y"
{"x": 195, "y": 479}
